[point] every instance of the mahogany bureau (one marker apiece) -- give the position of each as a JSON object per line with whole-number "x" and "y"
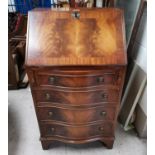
{"x": 76, "y": 62}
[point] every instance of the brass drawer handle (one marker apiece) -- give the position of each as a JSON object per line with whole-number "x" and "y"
{"x": 100, "y": 79}
{"x": 51, "y": 80}
{"x": 103, "y": 113}
{"x": 50, "y": 113}
{"x": 47, "y": 96}
{"x": 52, "y": 129}
{"x": 101, "y": 128}
{"x": 104, "y": 96}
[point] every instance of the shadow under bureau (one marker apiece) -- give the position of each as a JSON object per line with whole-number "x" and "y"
{"x": 76, "y": 62}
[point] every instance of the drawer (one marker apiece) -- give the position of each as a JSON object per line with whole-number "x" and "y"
{"x": 76, "y": 115}
{"x": 77, "y": 97}
{"x": 77, "y": 132}
{"x": 77, "y": 78}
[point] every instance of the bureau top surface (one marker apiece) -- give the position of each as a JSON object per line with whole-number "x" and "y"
{"x": 57, "y": 38}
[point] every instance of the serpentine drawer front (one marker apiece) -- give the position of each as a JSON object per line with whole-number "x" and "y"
{"x": 76, "y": 69}
{"x": 72, "y": 79}
{"x": 80, "y": 97}
{"x": 77, "y": 132}
{"x": 71, "y": 115}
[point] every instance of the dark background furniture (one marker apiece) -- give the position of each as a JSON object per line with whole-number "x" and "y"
{"x": 83, "y": 3}
{"x": 16, "y": 50}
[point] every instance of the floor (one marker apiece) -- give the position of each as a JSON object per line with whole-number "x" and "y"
{"x": 24, "y": 134}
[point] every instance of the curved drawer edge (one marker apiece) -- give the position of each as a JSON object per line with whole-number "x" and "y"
{"x": 76, "y": 89}
{"x": 76, "y": 141}
{"x": 66, "y": 124}
{"x": 56, "y": 104}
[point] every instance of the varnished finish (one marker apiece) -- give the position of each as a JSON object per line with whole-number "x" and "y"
{"x": 72, "y": 97}
{"x": 77, "y": 132}
{"x": 84, "y": 78}
{"x": 76, "y": 69}
{"x": 108, "y": 142}
{"x": 76, "y": 116}
{"x": 56, "y": 38}
{"x": 47, "y": 141}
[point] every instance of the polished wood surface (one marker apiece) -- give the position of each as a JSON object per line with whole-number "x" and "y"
{"x": 76, "y": 79}
{"x": 57, "y": 38}
{"x": 47, "y": 141}
{"x": 64, "y": 111}
{"x": 71, "y": 115}
{"x": 76, "y": 69}
{"x": 72, "y": 97}
{"x": 77, "y": 132}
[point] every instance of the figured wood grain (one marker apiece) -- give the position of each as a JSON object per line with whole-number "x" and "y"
{"x": 76, "y": 115}
{"x": 47, "y": 141}
{"x": 74, "y": 78}
{"x": 65, "y": 58}
{"x": 77, "y": 132}
{"x": 56, "y": 38}
{"x": 77, "y": 97}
